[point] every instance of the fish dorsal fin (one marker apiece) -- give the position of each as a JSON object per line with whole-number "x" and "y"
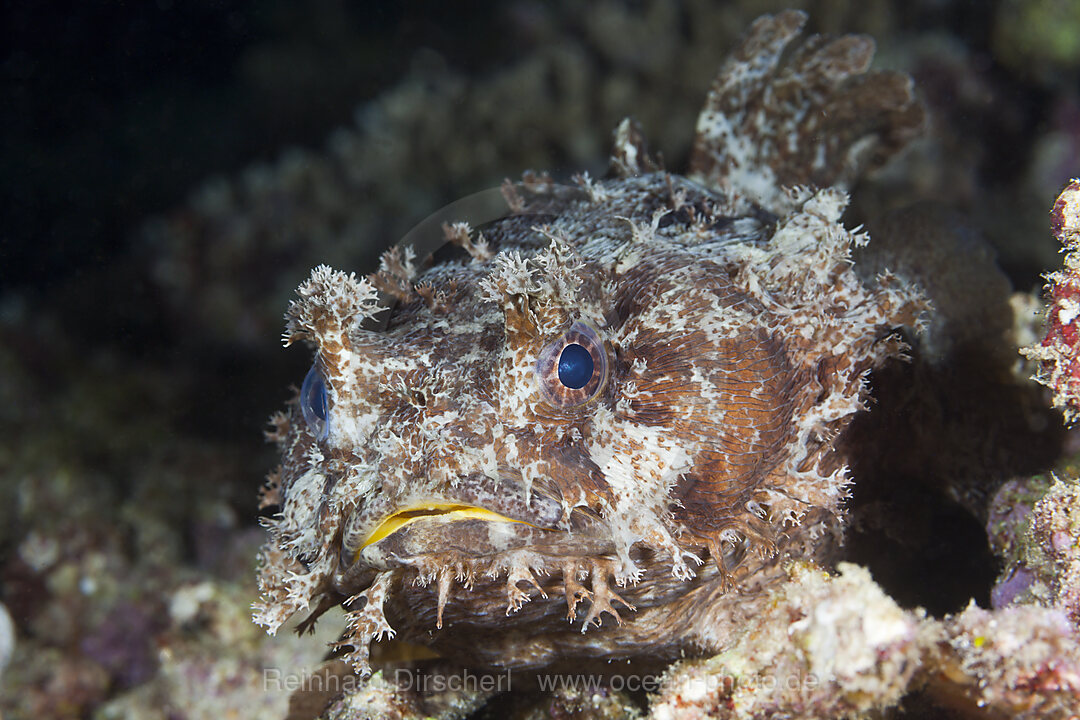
{"x": 786, "y": 112}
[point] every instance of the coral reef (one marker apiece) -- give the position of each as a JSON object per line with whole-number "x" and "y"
{"x": 1008, "y": 532}
{"x": 210, "y": 666}
{"x": 1034, "y": 527}
{"x": 1021, "y": 662}
{"x": 1055, "y": 548}
{"x": 837, "y": 646}
{"x": 128, "y": 580}
{"x": 382, "y": 697}
{"x": 1059, "y": 352}
{"x": 135, "y": 363}
{"x": 830, "y": 646}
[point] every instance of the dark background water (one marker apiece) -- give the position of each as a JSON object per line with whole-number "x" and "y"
{"x": 114, "y": 111}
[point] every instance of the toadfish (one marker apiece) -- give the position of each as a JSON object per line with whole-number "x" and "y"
{"x": 600, "y": 425}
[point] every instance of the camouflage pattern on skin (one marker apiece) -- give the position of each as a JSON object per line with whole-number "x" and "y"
{"x": 462, "y": 496}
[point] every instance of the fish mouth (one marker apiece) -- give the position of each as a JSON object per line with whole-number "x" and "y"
{"x": 446, "y": 511}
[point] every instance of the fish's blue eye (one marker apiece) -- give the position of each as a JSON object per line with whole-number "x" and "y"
{"x": 572, "y": 370}
{"x": 575, "y": 366}
{"x": 314, "y": 403}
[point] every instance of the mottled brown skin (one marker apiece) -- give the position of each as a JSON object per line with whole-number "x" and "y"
{"x": 465, "y": 496}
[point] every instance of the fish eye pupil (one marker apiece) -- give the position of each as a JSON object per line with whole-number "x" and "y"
{"x": 314, "y": 402}
{"x": 575, "y": 366}
{"x": 571, "y": 370}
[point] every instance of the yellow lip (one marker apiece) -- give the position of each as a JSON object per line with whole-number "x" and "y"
{"x": 444, "y": 510}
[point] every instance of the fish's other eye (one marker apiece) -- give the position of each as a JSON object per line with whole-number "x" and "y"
{"x": 573, "y": 370}
{"x": 314, "y": 403}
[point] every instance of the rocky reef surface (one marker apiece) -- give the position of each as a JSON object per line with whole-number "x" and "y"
{"x": 134, "y": 384}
